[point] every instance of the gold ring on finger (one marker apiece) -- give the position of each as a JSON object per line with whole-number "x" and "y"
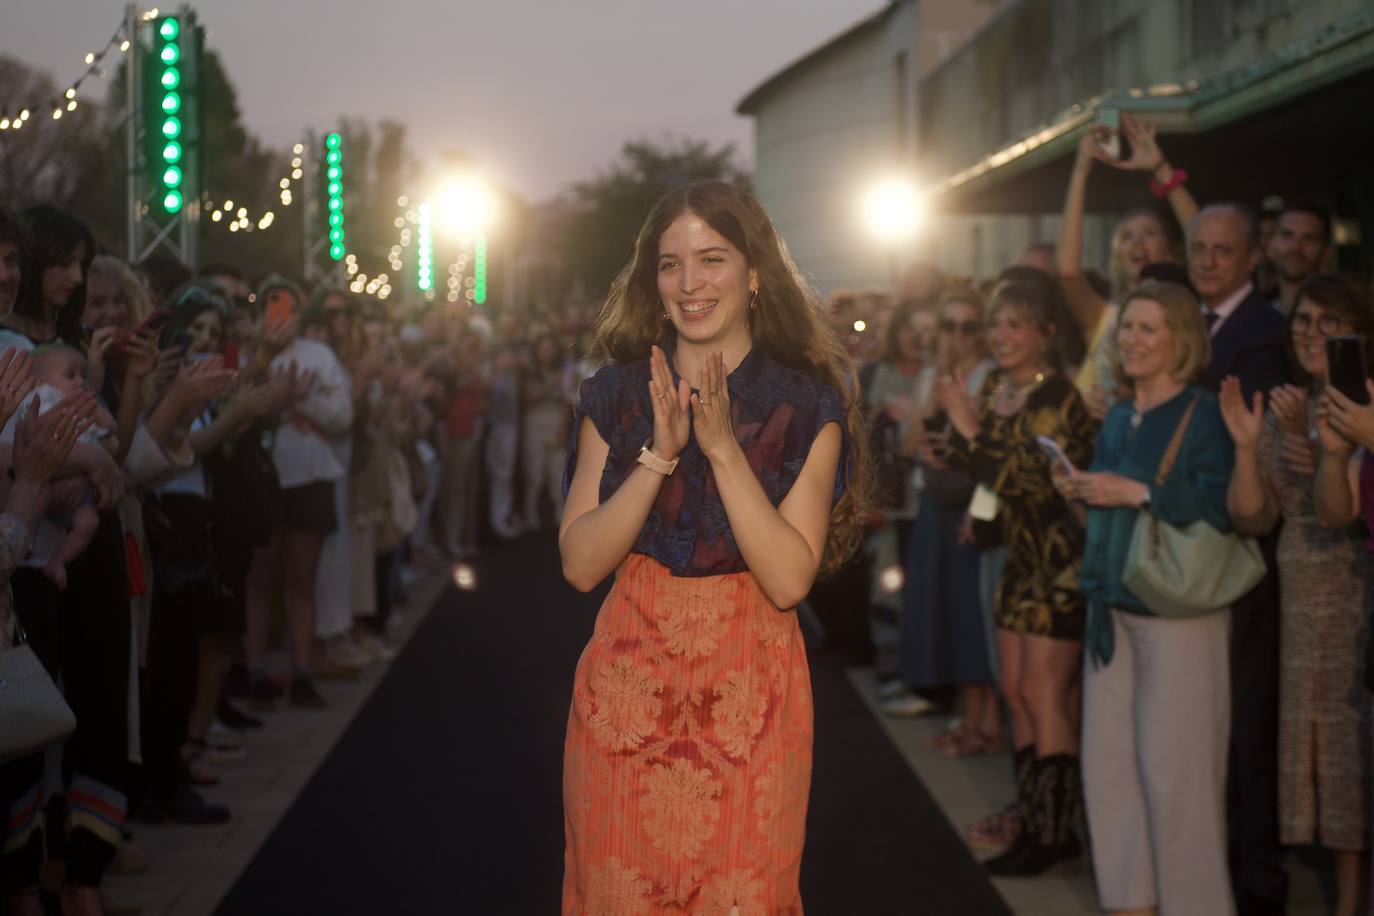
{"x": 705, "y": 403}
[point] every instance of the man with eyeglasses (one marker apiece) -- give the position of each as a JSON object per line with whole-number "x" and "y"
{"x": 1248, "y": 341}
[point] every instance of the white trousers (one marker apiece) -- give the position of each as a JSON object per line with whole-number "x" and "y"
{"x": 1156, "y": 724}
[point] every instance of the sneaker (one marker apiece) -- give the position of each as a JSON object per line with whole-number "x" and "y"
{"x": 378, "y": 649}
{"x": 892, "y": 688}
{"x": 907, "y": 704}
{"x": 198, "y": 766}
{"x": 304, "y": 695}
{"x": 344, "y": 653}
{"x": 222, "y": 737}
{"x": 234, "y": 717}
{"x": 219, "y": 756}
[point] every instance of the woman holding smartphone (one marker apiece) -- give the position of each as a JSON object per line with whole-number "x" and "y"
{"x": 1040, "y": 613}
{"x": 1327, "y": 588}
{"x": 1156, "y": 691}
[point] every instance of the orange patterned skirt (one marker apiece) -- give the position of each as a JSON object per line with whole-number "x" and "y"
{"x": 687, "y": 765}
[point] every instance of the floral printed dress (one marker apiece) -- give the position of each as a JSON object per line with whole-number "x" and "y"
{"x": 1038, "y": 592}
{"x": 687, "y": 765}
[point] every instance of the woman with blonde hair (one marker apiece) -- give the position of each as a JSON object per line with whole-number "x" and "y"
{"x": 1156, "y": 690}
{"x": 1141, "y": 237}
{"x": 716, "y": 467}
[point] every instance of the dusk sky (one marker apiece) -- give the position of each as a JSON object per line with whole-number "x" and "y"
{"x": 541, "y": 94}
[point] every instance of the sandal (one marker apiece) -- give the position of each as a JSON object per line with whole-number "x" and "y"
{"x": 996, "y": 831}
{"x": 194, "y": 754}
{"x": 975, "y": 743}
{"x": 952, "y": 738}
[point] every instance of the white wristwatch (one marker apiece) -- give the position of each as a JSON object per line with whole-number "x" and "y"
{"x": 655, "y": 463}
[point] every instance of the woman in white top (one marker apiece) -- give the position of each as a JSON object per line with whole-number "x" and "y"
{"x": 308, "y": 471}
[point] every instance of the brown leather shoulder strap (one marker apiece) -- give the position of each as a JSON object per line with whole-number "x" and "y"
{"x": 1166, "y": 464}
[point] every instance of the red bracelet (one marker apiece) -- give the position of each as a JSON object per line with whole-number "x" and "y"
{"x": 1178, "y": 177}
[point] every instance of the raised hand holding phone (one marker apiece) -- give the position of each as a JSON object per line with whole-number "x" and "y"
{"x": 1058, "y": 460}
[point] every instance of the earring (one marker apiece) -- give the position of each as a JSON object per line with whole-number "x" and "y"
{"x": 754, "y": 302}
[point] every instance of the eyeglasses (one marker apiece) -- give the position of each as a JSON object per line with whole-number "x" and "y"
{"x": 1328, "y": 323}
{"x": 968, "y": 328}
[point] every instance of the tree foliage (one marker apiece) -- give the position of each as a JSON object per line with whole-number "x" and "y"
{"x": 610, "y": 208}
{"x": 80, "y": 163}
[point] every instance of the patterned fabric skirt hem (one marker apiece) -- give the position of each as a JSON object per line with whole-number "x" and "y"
{"x": 687, "y": 764}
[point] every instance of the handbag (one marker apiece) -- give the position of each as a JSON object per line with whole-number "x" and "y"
{"x": 32, "y": 709}
{"x": 1191, "y": 570}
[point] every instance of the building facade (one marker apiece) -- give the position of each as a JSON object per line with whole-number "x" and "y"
{"x": 1253, "y": 97}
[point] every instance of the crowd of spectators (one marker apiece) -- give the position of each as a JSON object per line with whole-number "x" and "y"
{"x": 1021, "y": 426}
{"x": 200, "y": 460}
{"x": 197, "y": 461}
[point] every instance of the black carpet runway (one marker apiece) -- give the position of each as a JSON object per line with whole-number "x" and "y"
{"x": 444, "y": 796}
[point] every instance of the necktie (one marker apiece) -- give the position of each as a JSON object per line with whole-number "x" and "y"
{"x": 1211, "y": 318}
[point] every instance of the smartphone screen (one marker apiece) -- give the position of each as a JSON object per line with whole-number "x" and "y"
{"x": 280, "y": 305}
{"x": 1055, "y": 453}
{"x": 1345, "y": 367}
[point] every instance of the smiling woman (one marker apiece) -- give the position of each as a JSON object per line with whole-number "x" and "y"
{"x": 716, "y": 466}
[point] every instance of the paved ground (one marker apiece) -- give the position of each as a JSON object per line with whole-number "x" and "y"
{"x": 193, "y": 867}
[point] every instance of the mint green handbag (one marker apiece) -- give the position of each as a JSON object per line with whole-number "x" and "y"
{"x": 1188, "y": 571}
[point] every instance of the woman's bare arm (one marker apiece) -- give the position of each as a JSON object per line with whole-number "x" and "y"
{"x": 595, "y": 537}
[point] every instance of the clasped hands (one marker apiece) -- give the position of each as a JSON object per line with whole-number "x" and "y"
{"x": 678, "y": 412}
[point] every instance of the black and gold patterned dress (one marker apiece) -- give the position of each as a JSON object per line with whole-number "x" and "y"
{"x": 1038, "y": 593}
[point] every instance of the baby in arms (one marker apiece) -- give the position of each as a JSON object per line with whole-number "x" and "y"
{"x": 60, "y": 371}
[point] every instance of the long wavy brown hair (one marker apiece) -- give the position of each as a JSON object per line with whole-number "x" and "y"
{"x": 787, "y": 322}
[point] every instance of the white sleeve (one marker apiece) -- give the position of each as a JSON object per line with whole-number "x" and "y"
{"x": 330, "y": 402}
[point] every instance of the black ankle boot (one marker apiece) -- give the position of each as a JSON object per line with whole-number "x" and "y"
{"x": 1049, "y": 826}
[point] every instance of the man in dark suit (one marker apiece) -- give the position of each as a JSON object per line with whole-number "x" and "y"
{"x": 1248, "y": 341}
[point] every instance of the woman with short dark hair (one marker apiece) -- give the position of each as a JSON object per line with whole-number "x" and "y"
{"x": 1327, "y": 589}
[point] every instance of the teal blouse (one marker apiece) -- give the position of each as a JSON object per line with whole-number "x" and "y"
{"x": 1195, "y": 490}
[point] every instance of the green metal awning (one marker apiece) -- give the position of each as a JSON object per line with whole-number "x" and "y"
{"x": 1342, "y": 50}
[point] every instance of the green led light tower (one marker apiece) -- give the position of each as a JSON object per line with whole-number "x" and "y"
{"x": 164, "y": 132}
{"x": 332, "y": 184}
{"x": 424, "y": 259}
{"x": 479, "y": 270}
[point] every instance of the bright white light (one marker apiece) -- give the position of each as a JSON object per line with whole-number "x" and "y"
{"x": 860, "y": 325}
{"x": 402, "y": 201}
{"x": 893, "y": 209}
{"x": 464, "y": 576}
{"x": 216, "y": 216}
{"x": 892, "y": 578}
{"x": 298, "y": 148}
{"x": 466, "y": 206}
{"x": 124, "y": 45}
